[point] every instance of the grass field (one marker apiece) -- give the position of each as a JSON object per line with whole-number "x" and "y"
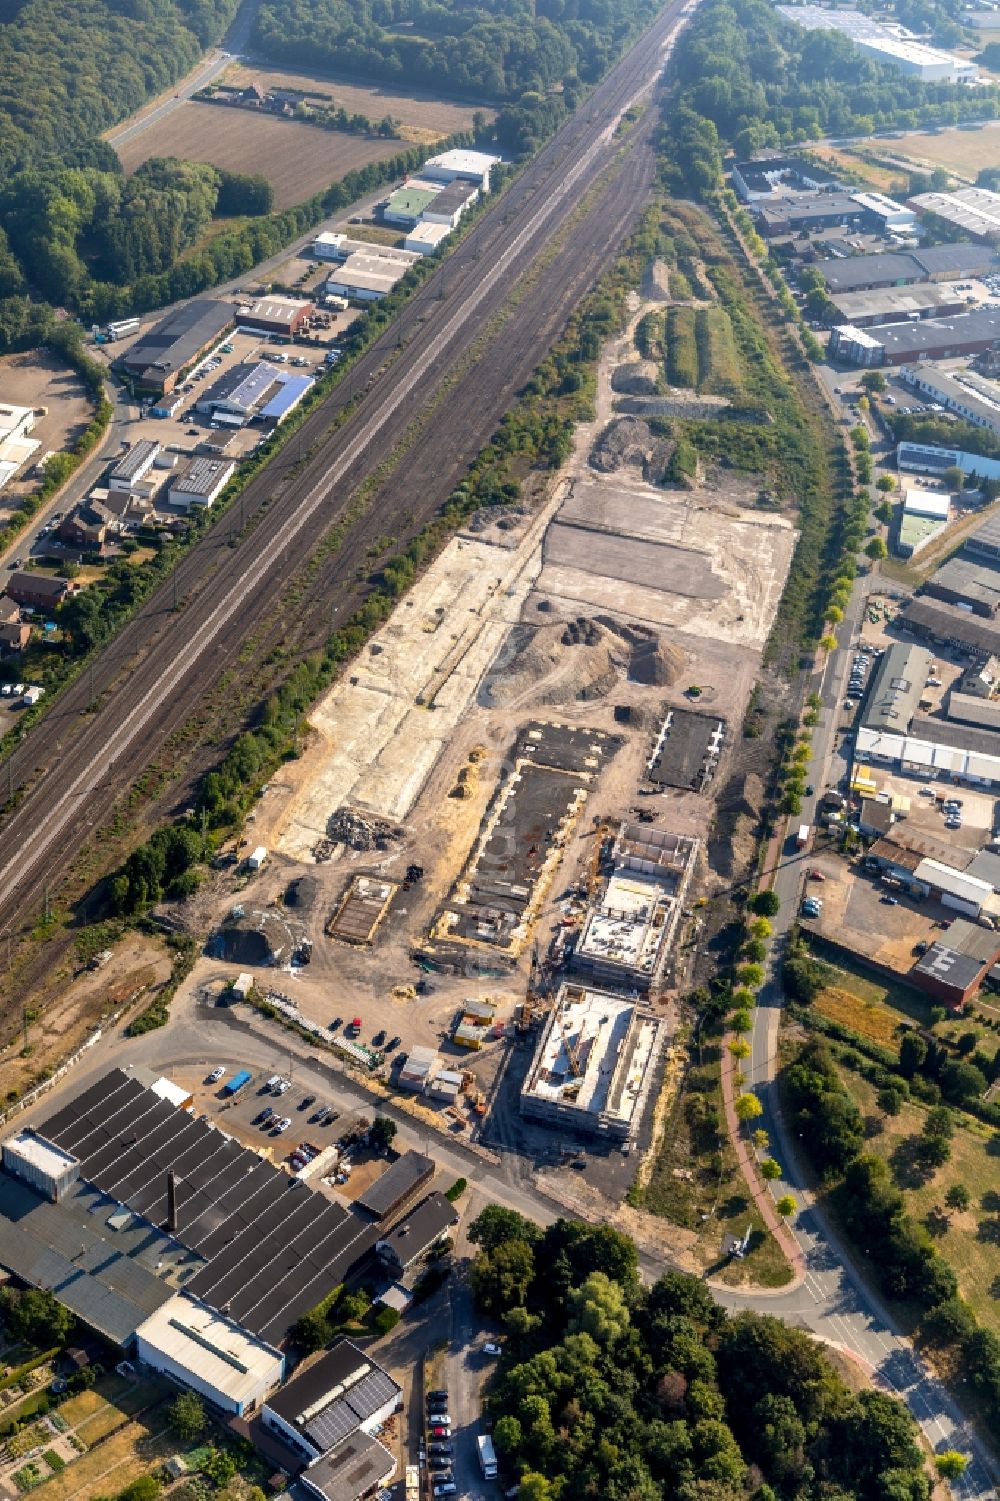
{"x": 298, "y": 160}
{"x": 880, "y": 178}
{"x": 133, "y": 1451}
{"x": 682, "y": 351}
{"x": 965, "y": 151}
{"x": 970, "y": 1241}
{"x": 718, "y": 359}
{"x": 870, "y": 1007}
{"x": 422, "y": 118}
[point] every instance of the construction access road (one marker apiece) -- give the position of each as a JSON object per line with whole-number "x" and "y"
{"x": 431, "y": 368}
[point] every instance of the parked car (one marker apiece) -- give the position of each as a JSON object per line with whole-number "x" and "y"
{"x": 491, "y": 1347}
{"x": 216, "y": 1074}
{"x": 282, "y": 1124}
{"x": 816, "y": 875}
{"x": 439, "y": 1448}
{"x": 306, "y": 1101}
{"x": 263, "y": 1115}
{"x": 392, "y": 1044}
{"x": 891, "y": 901}
{"x": 438, "y": 1395}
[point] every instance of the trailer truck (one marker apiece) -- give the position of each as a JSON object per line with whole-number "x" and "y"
{"x": 487, "y": 1456}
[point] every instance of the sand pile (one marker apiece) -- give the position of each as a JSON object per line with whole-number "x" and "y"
{"x": 650, "y": 660}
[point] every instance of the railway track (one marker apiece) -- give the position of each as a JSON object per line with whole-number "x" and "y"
{"x": 76, "y": 763}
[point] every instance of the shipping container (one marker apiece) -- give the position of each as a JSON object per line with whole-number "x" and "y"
{"x": 237, "y": 1082}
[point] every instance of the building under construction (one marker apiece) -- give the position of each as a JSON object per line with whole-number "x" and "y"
{"x": 594, "y": 1065}
{"x": 630, "y": 929}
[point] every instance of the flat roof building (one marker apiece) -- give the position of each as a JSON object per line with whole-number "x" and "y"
{"x": 448, "y": 206}
{"x": 629, "y": 930}
{"x": 474, "y": 166}
{"x": 200, "y": 483}
{"x": 921, "y": 339}
{"x": 949, "y": 976}
{"x": 896, "y": 688}
{"x": 134, "y": 465}
{"x": 274, "y": 315}
{"x": 963, "y": 581}
{"x": 355, "y": 1469}
{"x": 934, "y": 504}
{"x": 973, "y": 211}
{"x": 944, "y": 622}
{"x": 209, "y": 1353}
{"x": 397, "y": 1186}
{"x": 417, "y": 1233}
{"x": 985, "y": 540}
{"x": 41, "y": 1163}
{"x": 593, "y": 1066}
{"x": 759, "y": 178}
{"x": 865, "y": 273}
{"x": 963, "y": 392}
{"x": 424, "y": 238}
{"x": 932, "y": 458}
{"x": 890, "y": 45}
{"x": 157, "y": 358}
{"x": 406, "y": 206}
{"x": 343, "y": 1392}
{"x": 364, "y": 277}
{"x": 780, "y": 215}
{"x": 890, "y": 304}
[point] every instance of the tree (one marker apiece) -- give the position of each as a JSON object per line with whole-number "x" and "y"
{"x": 912, "y": 1053}
{"x": 873, "y": 380}
{"x": 36, "y": 1317}
{"x": 145, "y": 1488}
{"x": 884, "y": 512}
{"x": 381, "y": 1133}
{"x": 961, "y": 1082}
{"x": 765, "y": 903}
{"x": 500, "y": 1278}
{"x": 748, "y": 1108}
{"x": 739, "y": 1048}
{"x": 770, "y": 1170}
{"x": 186, "y": 1416}
{"x": 951, "y": 1464}
{"x": 786, "y": 1206}
{"x": 953, "y": 478}
{"x": 495, "y": 1225}
{"x": 311, "y": 1331}
{"x": 876, "y": 550}
{"x": 958, "y": 1197}
{"x": 760, "y": 1139}
{"x": 885, "y": 482}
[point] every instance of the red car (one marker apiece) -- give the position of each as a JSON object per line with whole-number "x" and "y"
{"x": 816, "y": 875}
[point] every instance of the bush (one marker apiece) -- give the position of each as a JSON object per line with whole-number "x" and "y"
{"x": 456, "y": 1190}
{"x": 385, "y": 1320}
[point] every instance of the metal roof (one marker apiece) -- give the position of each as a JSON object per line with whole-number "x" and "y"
{"x": 353, "y": 1469}
{"x": 269, "y": 1248}
{"x": 956, "y": 331}
{"x": 397, "y": 1183}
{"x": 179, "y": 337}
{"x": 330, "y": 1399}
{"x": 896, "y": 688}
{"x": 419, "y": 1229}
{"x": 969, "y": 580}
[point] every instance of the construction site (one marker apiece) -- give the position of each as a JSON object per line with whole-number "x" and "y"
{"x": 511, "y": 786}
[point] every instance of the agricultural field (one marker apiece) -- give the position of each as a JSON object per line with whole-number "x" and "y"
{"x": 422, "y": 118}
{"x": 298, "y": 160}
{"x": 970, "y": 1240}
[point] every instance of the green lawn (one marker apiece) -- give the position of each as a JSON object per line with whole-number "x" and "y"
{"x": 970, "y": 1241}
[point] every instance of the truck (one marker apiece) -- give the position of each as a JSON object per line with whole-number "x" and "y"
{"x": 802, "y": 837}
{"x": 236, "y": 1083}
{"x": 121, "y": 329}
{"x": 487, "y": 1456}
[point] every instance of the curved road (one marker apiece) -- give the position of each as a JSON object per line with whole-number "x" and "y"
{"x": 834, "y": 1299}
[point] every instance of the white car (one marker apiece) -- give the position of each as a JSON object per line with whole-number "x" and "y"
{"x": 491, "y": 1348}
{"x": 282, "y": 1125}
{"x": 284, "y": 1086}
{"x": 216, "y": 1074}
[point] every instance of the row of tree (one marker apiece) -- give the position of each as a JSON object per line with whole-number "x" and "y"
{"x": 612, "y": 1390}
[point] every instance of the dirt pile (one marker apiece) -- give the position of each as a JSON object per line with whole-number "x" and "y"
{"x": 636, "y": 378}
{"x": 359, "y": 831}
{"x": 574, "y": 662}
{"x": 629, "y": 442}
{"x": 651, "y": 660}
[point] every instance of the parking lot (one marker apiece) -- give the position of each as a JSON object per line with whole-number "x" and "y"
{"x": 861, "y": 914}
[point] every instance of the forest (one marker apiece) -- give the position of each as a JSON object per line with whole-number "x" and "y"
{"x": 743, "y": 77}
{"x": 609, "y": 1389}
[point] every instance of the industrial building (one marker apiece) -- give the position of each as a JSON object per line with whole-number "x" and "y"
{"x": 920, "y": 755}
{"x": 417, "y": 1233}
{"x": 593, "y": 1066}
{"x": 984, "y": 542}
{"x": 952, "y": 626}
{"x": 365, "y": 276}
{"x": 808, "y": 212}
{"x": 630, "y": 929}
{"x": 970, "y": 708}
{"x": 972, "y": 211}
{"x": 924, "y": 516}
{"x": 405, "y": 207}
{"x": 355, "y": 1469}
{"x": 469, "y": 166}
{"x": 963, "y": 392}
{"x": 208, "y": 1352}
{"x": 418, "y": 1068}
{"x": 448, "y": 206}
{"x": 759, "y": 178}
{"x": 889, "y": 45}
{"x": 953, "y": 969}
{"x": 963, "y": 581}
{"x": 896, "y": 688}
{"x": 16, "y": 448}
{"x": 343, "y": 1392}
{"x": 338, "y": 247}
{"x": 892, "y": 304}
{"x": 248, "y": 392}
{"x": 200, "y": 483}
{"x": 128, "y": 472}
{"x": 242, "y": 1238}
{"x": 283, "y": 316}
{"x": 934, "y": 263}
{"x": 931, "y": 458}
{"x": 398, "y": 1186}
{"x": 426, "y": 237}
{"x": 921, "y": 339}
{"x": 158, "y": 357}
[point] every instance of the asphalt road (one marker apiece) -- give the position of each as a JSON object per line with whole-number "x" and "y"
{"x": 78, "y": 760}
{"x": 835, "y": 1300}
